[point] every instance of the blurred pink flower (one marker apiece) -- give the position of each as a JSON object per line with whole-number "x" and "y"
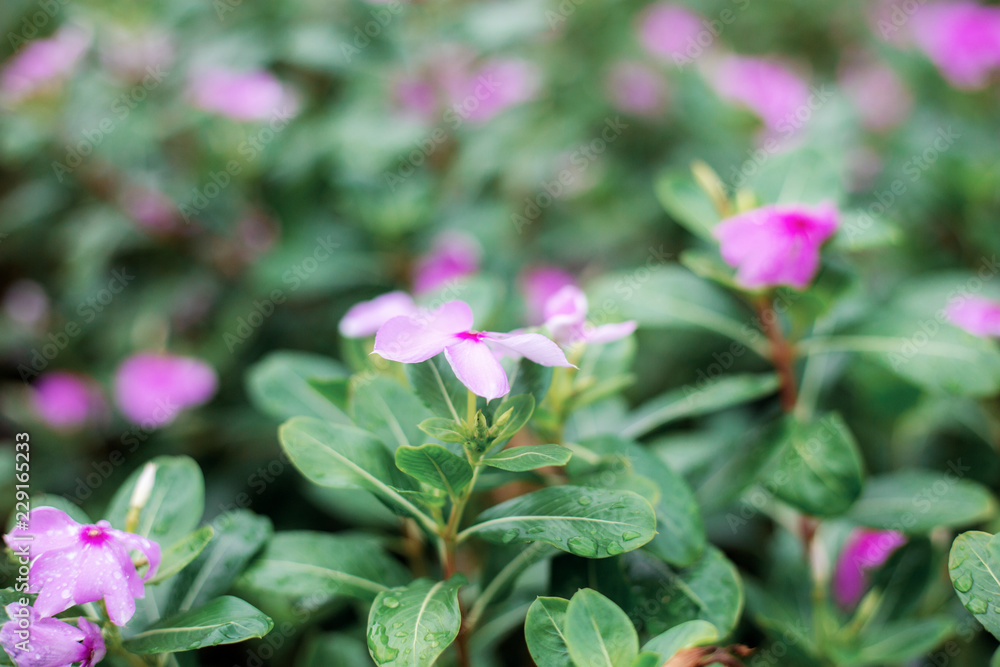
{"x": 154, "y": 211}
{"x": 776, "y": 245}
{"x": 454, "y": 255}
{"x": 43, "y": 62}
{"x": 67, "y": 401}
{"x": 245, "y": 96}
{"x": 864, "y": 551}
{"x": 133, "y": 54}
{"x": 880, "y": 96}
{"x": 566, "y": 320}
{"x": 539, "y": 285}
{"x": 637, "y": 89}
{"x": 365, "y": 318}
{"x": 977, "y": 315}
{"x": 152, "y": 389}
{"x": 493, "y": 87}
{"x": 26, "y": 302}
{"x": 471, "y": 354}
{"x": 768, "y": 88}
{"x": 52, "y": 642}
{"x": 416, "y": 97}
{"x": 75, "y": 563}
{"x": 961, "y": 38}
{"x": 670, "y": 31}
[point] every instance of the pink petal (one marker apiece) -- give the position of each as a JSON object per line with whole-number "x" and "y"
{"x": 962, "y": 39}
{"x": 49, "y": 529}
{"x": 244, "y": 96}
{"x": 864, "y": 551}
{"x": 93, "y": 642}
{"x": 769, "y": 88}
{"x": 608, "y": 333}
{"x": 145, "y": 546}
{"x": 455, "y": 255}
{"x": 411, "y": 340}
{"x": 569, "y": 304}
{"x": 107, "y": 573}
{"x": 539, "y": 285}
{"x": 152, "y": 389}
{"x": 978, "y": 316}
{"x": 66, "y": 400}
{"x": 477, "y": 368}
{"x": 52, "y": 642}
{"x": 670, "y": 31}
{"x": 365, "y": 318}
{"x": 533, "y": 346}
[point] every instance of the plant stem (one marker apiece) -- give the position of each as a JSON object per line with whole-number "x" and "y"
{"x": 448, "y": 546}
{"x": 782, "y": 352}
{"x": 470, "y": 409}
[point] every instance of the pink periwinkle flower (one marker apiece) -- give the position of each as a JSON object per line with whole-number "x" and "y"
{"x": 541, "y": 284}
{"x": 864, "y": 551}
{"x": 768, "y": 88}
{"x": 495, "y": 86}
{"x": 636, "y": 89}
{"x": 671, "y": 32}
{"x": 152, "y": 389}
{"x": 27, "y": 303}
{"x": 977, "y": 315}
{"x": 245, "y": 96}
{"x": 67, "y": 401}
{"x": 153, "y": 210}
{"x": 961, "y": 38}
{"x": 879, "y": 95}
{"x": 566, "y": 320}
{"x": 776, "y": 245}
{"x": 35, "y": 641}
{"x": 453, "y": 256}
{"x": 43, "y": 62}
{"x": 471, "y": 354}
{"x": 416, "y": 97}
{"x": 365, "y": 318}
{"x": 75, "y": 563}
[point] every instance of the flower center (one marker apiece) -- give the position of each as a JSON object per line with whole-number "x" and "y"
{"x": 94, "y": 535}
{"x": 474, "y": 336}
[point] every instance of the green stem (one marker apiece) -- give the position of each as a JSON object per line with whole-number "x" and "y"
{"x": 470, "y": 409}
{"x": 509, "y": 572}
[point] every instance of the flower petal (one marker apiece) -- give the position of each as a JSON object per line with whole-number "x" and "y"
{"x": 147, "y": 547}
{"x": 365, "y": 318}
{"x": 411, "y": 340}
{"x": 93, "y": 642}
{"x": 53, "y": 643}
{"x": 533, "y": 346}
{"x": 50, "y": 529}
{"x": 107, "y": 572}
{"x": 477, "y": 368}
{"x": 608, "y": 333}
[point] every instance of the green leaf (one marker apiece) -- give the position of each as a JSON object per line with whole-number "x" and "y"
{"x": 224, "y": 620}
{"x": 918, "y": 501}
{"x": 435, "y": 384}
{"x": 904, "y": 640}
{"x": 531, "y": 378}
{"x": 334, "y": 650}
{"x": 520, "y": 459}
{"x": 175, "y": 505}
{"x": 389, "y": 410}
{"x": 593, "y": 523}
{"x": 544, "y": 633}
{"x": 288, "y": 384}
{"x": 859, "y": 230}
{"x": 344, "y": 457}
{"x": 304, "y": 564}
{"x": 445, "y": 430}
{"x": 181, "y": 553}
{"x": 687, "y": 203}
{"x": 647, "y": 660}
{"x": 512, "y": 415}
{"x": 239, "y": 534}
{"x": 412, "y": 625}
{"x": 436, "y": 467}
{"x": 598, "y": 632}
{"x": 709, "y": 590}
{"x": 694, "y": 401}
{"x": 974, "y": 566}
{"x": 816, "y": 467}
{"x": 337, "y": 391}
{"x": 684, "y": 635}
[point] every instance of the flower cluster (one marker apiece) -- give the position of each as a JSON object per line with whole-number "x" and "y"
{"x": 73, "y": 564}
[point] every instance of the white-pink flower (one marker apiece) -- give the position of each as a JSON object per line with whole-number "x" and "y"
{"x": 34, "y": 641}
{"x": 365, "y": 318}
{"x": 152, "y": 389}
{"x": 242, "y": 95}
{"x": 566, "y": 320}
{"x": 977, "y": 315}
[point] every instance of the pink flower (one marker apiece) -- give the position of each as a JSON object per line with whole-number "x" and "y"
{"x": 42, "y": 62}
{"x": 776, "y": 245}
{"x": 245, "y": 96}
{"x": 135, "y": 53}
{"x": 864, "y": 551}
{"x": 153, "y": 388}
{"x": 365, "y": 318}
{"x": 66, "y": 400}
{"x": 961, "y": 38}
{"x": 768, "y": 88}
{"x": 977, "y": 315}
{"x": 49, "y": 642}
{"x": 416, "y": 97}
{"x": 566, "y": 320}
{"x": 635, "y": 88}
{"x": 881, "y": 98}
{"x": 471, "y": 354}
{"x": 26, "y": 302}
{"x": 670, "y": 31}
{"x": 454, "y": 255}
{"x": 539, "y": 285}
{"x": 75, "y": 563}
{"x": 495, "y": 86}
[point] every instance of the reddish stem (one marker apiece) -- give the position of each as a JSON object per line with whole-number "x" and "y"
{"x": 782, "y": 353}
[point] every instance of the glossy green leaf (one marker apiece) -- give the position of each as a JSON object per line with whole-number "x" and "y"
{"x": 304, "y": 564}
{"x": 905, "y": 640}
{"x": 588, "y": 522}
{"x": 918, "y": 501}
{"x": 389, "y": 410}
{"x": 412, "y": 625}
{"x": 224, "y": 620}
{"x": 544, "y": 632}
{"x": 175, "y": 505}
{"x": 445, "y": 430}
{"x": 815, "y": 467}
{"x": 681, "y": 636}
{"x": 281, "y": 385}
{"x": 647, "y": 660}
{"x": 520, "y": 459}
{"x": 531, "y": 378}
{"x": 687, "y": 203}
{"x": 436, "y": 467}
{"x": 435, "y": 384}
{"x": 598, "y": 632}
{"x": 181, "y": 553}
{"x": 974, "y": 566}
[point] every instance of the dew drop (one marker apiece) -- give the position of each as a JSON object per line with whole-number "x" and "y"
{"x": 536, "y": 530}
{"x": 510, "y": 536}
{"x": 582, "y": 546}
{"x": 390, "y": 602}
{"x": 630, "y": 535}
{"x": 584, "y": 500}
{"x": 963, "y": 583}
{"x": 976, "y": 606}
{"x": 614, "y": 548}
